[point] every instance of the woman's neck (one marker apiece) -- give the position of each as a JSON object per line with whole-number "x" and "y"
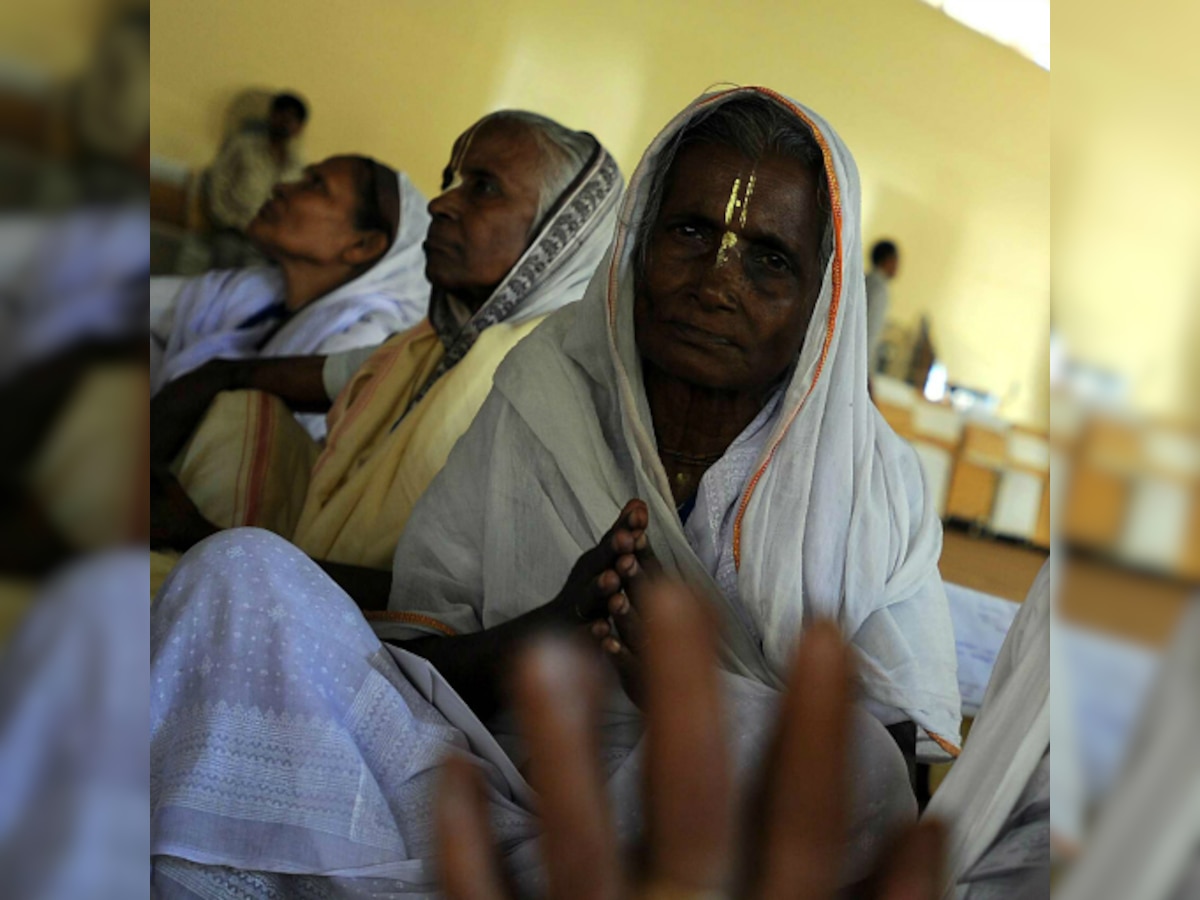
{"x": 693, "y": 421}
{"x": 305, "y": 282}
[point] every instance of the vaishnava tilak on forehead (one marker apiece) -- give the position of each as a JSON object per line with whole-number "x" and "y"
{"x": 729, "y": 239}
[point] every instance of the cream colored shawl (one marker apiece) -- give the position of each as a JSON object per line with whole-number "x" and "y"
{"x": 834, "y": 520}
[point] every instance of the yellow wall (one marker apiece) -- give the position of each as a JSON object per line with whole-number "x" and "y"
{"x": 53, "y": 37}
{"x": 1127, "y": 197}
{"x": 951, "y": 131}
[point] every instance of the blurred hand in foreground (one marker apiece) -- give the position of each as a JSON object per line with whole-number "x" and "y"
{"x": 695, "y": 844}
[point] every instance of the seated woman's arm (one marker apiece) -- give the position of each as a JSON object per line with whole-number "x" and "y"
{"x": 474, "y": 664}
{"x": 178, "y": 408}
{"x": 367, "y": 587}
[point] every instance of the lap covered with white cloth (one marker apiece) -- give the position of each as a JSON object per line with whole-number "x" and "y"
{"x": 291, "y": 750}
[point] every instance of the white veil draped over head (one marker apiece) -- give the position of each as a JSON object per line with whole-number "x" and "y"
{"x": 394, "y": 290}
{"x": 212, "y": 310}
{"x": 834, "y": 520}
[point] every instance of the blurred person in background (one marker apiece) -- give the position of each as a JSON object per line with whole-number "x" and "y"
{"x": 885, "y": 264}
{"x": 239, "y": 181}
{"x": 346, "y": 240}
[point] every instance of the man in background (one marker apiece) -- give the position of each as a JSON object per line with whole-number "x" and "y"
{"x": 885, "y": 263}
{"x": 249, "y": 165}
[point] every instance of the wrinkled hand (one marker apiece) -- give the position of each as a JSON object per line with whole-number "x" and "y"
{"x": 694, "y": 845}
{"x": 623, "y": 636}
{"x": 595, "y": 579}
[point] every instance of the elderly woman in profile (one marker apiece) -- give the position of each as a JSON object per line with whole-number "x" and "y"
{"x": 525, "y": 215}
{"x": 703, "y": 409}
{"x": 346, "y": 243}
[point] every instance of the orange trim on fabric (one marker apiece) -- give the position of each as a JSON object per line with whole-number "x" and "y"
{"x": 268, "y": 418}
{"x": 950, "y": 748}
{"x": 835, "y": 196}
{"x": 387, "y": 615}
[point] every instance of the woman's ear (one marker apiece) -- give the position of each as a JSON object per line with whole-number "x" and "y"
{"x": 369, "y": 247}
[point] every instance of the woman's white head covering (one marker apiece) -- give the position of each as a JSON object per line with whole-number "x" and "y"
{"x": 834, "y": 521}
{"x": 211, "y": 310}
{"x": 394, "y": 291}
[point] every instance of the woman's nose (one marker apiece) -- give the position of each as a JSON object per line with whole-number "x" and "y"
{"x": 722, "y": 282}
{"x": 445, "y": 205}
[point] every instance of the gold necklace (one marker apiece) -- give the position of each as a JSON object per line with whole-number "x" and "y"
{"x": 688, "y": 459}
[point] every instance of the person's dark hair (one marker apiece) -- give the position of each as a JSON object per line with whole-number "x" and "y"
{"x": 753, "y": 125}
{"x": 287, "y": 102}
{"x": 378, "y": 193}
{"x": 882, "y": 251}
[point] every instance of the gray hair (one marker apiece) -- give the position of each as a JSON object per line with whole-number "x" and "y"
{"x": 754, "y": 126}
{"x": 564, "y": 153}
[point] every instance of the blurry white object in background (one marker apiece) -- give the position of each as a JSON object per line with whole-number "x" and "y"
{"x": 1146, "y": 840}
{"x": 1017, "y": 504}
{"x": 1031, "y": 451}
{"x": 1022, "y": 482}
{"x": 1023, "y": 25}
{"x": 938, "y": 465}
{"x": 935, "y": 383}
{"x": 1155, "y": 530}
{"x": 1109, "y": 680}
{"x": 74, "y": 758}
{"x": 941, "y": 423}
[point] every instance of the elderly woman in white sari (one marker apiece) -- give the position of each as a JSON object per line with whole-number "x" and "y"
{"x": 346, "y": 240}
{"x": 715, "y": 370}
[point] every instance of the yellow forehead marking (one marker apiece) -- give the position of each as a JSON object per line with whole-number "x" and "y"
{"x": 746, "y": 200}
{"x": 728, "y": 242}
{"x": 729, "y": 239}
{"x": 733, "y": 200}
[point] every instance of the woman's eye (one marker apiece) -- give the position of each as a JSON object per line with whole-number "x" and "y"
{"x": 485, "y": 187}
{"x": 690, "y": 232}
{"x": 775, "y": 262}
